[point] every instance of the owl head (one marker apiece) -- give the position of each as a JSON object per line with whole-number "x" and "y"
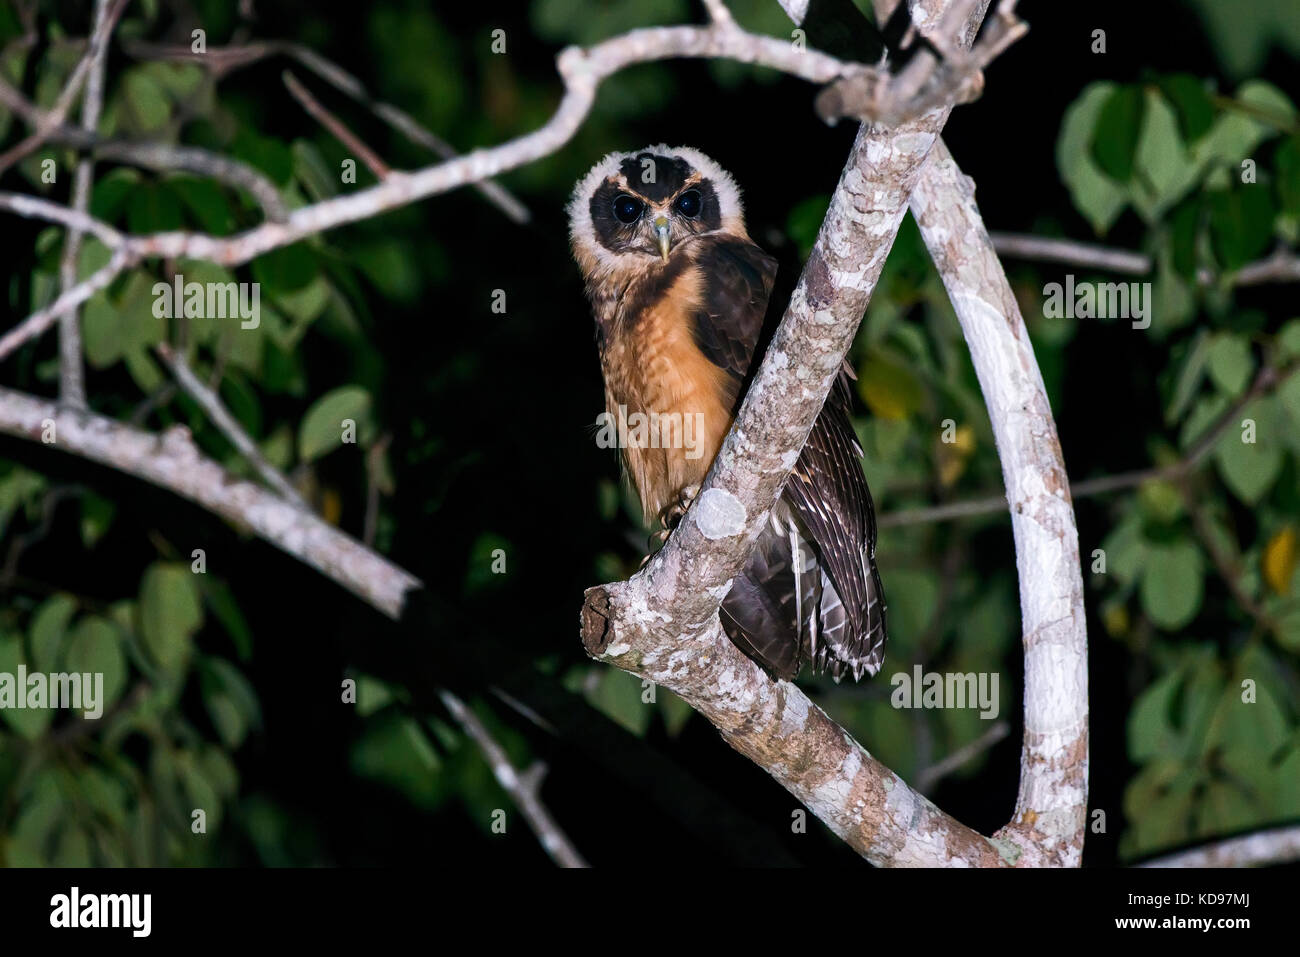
{"x": 634, "y": 209}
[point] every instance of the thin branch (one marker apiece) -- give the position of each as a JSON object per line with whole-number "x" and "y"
{"x": 336, "y": 126}
{"x": 72, "y": 377}
{"x": 172, "y": 461}
{"x": 213, "y": 408}
{"x": 1281, "y": 266}
{"x": 157, "y": 156}
{"x": 582, "y": 71}
{"x": 223, "y": 60}
{"x": 1275, "y": 846}
{"x": 929, "y": 777}
{"x": 55, "y": 117}
{"x": 1268, "y": 379}
{"x": 524, "y": 788}
{"x": 42, "y": 319}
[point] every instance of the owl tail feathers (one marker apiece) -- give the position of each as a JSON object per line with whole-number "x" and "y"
{"x": 758, "y": 617}
{"x": 783, "y": 611}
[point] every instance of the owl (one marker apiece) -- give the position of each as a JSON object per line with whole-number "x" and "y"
{"x": 680, "y": 295}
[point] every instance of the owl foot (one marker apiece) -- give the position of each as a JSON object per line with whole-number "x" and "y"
{"x": 670, "y": 517}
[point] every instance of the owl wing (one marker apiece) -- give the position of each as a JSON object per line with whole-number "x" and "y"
{"x": 828, "y": 493}
{"x": 738, "y": 279}
{"x": 781, "y": 604}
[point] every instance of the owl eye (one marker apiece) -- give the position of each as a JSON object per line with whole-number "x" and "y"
{"x": 628, "y": 209}
{"x": 688, "y": 204}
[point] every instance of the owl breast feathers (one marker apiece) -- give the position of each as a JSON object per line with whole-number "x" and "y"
{"x": 680, "y": 295}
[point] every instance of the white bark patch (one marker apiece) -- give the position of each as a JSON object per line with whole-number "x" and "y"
{"x": 795, "y": 716}
{"x": 719, "y": 514}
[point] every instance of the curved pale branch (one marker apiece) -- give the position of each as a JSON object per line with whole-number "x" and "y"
{"x": 1048, "y": 826}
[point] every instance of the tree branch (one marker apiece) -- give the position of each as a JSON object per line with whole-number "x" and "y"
{"x": 212, "y": 406}
{"x": 1276, "y": 846}
{"x": 72, "y": 377}
{"x": 662, "y": 624}
{"x": 1048, "y": 826}
{"x": 523, "y": 788}
{"x": 1268, "y": 379}
{"x": 172, "y": 461}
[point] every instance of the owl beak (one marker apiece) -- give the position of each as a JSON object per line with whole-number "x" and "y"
{"x": 661, "y": 233}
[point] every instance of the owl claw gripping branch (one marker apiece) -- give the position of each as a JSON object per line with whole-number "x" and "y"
{"x": 680, "y": 293}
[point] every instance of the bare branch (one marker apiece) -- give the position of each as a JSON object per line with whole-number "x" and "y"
{"x": 67, "y": 96}
{"x": 212, "y": 406}
{"x": 1275, "y": 846}
{"x": 1048, "y": 826}
{"x": 1268, "y": 379}
{"x": 1281, "y": 266}
{"x": 929, "y": 777}
{"x": 662, "y": 624}
{"x": 72, "y": 379}
{"x": 336, "y": 126}
{"x": 523, "y": 788}
{"x": 42, "y": 319}
{"x": 172, "y": 461}
{"x": 582, "y": 71}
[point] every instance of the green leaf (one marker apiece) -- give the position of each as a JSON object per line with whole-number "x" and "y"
{"x": 322, "y": 427}
{"x": 147, "y": 106}
{"x": 1190, "y": 373}
{"x": 1191, "y": 100}
{"x": 1241, "y": 224}
{"x": 1115, "y": 136}
{"x": 28, "y": 722}
{"x": 1151, "y": 731}
{"x": 231, "y": 701}
{"x": 286, "y": 270}
{"x": 96, "y": 515}
{"x": 206, "y": 202}
{"x": 154, "y": 208}
{"x": 1250, "y": 468}
{"x": 96, "y": 648}
{"x": 618, "y": 695}
{"x": 1231, "y": 364}
{"x": 170, "y": 614}
{"x": 1172, "y": 583}
{"x": 1095, "y": 195}
{"x": 1165, "y": 168}
{"x": 48, "y": 626}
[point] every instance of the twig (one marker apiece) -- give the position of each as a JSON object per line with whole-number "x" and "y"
{"x": 1269, "y": 378}
{"x": 1274, "y": 846}
{"x": 226, "y": 59}
{"x": 59, "y": 112}
{"x": 1280, "y": 266}
{"x": 212, "y": 406}
{"x": 582, "y": 71}
{"x": 929, "y": 777}
{"x": 336, "y": 126}
{"x": 157, "y": 156}
{"x": 523, "y": 788}
{"x": 72, "y": 377}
